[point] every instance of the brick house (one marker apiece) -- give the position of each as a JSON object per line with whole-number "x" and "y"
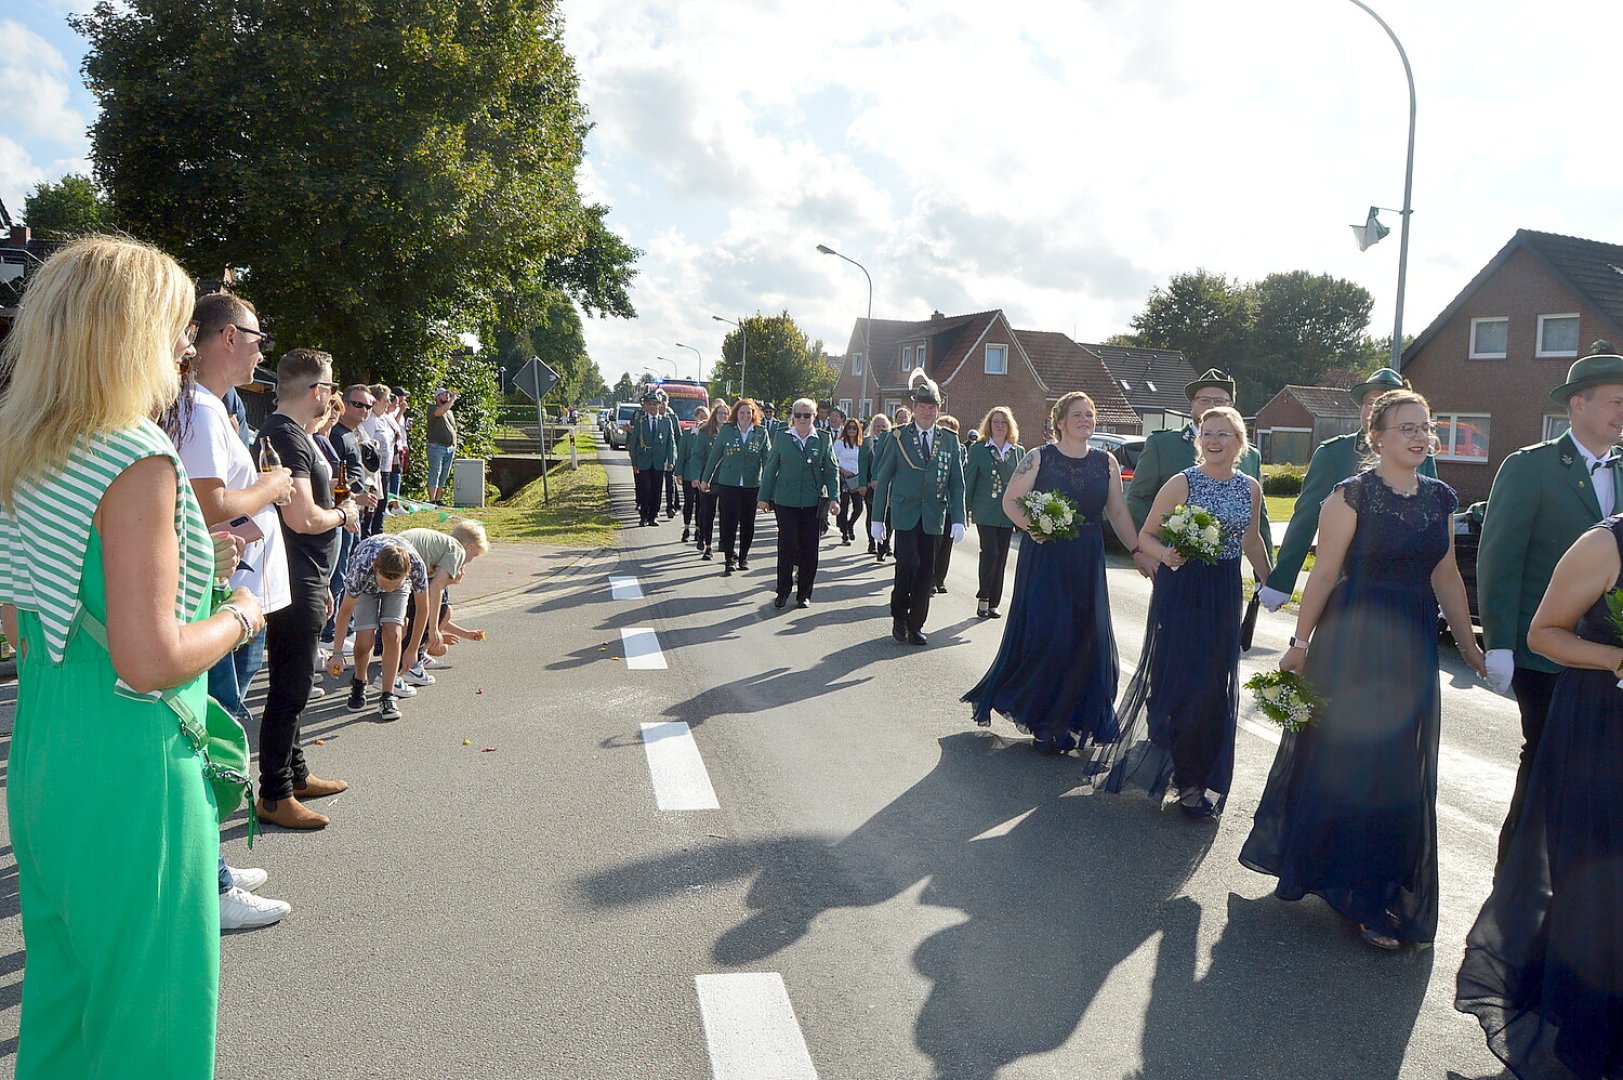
{"x": 1152, "y": 381}
{"x": 1299, "y": 418}
{"x": 1488, "y": 362}
{"x": 979, "y": 361}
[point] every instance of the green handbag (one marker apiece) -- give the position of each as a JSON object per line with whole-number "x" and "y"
{"x": 219, "y": 740}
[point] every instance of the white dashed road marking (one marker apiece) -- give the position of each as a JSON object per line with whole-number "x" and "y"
{"x": 681, "y": 781}
{"x": 750, "y": 1028}
{"x": 640, "y": 646}
{"x": 625, "y": 588}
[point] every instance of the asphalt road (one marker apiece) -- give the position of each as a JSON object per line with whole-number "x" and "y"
{"x": 881, "y": 889}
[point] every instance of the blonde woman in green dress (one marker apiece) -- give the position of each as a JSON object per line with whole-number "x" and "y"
{"x": 113, "y": 825}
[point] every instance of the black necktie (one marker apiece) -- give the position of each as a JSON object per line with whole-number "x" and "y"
{"x": 926, "y": 437}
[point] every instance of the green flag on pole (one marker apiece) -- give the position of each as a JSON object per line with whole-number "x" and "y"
{"x": 1371, "y": 232}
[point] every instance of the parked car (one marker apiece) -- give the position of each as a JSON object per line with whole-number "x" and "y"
{"x": 623, "y": 416}
{"x": 1126, "y": 449}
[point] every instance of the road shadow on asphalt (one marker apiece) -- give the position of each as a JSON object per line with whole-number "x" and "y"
{"x": 1058, "y": 891}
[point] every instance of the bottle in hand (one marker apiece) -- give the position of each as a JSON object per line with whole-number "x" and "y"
{"x": 268, "y": 457}
{"x": 340, "y": 488}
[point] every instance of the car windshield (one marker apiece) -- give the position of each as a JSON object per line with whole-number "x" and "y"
{"x": 628, "y": 411}
{"x": 683, "y": 407}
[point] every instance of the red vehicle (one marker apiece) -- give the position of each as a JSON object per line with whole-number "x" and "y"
{"x": 682, "y": 397}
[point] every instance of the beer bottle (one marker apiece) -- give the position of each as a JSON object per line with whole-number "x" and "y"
{"x": 268, "y": 457}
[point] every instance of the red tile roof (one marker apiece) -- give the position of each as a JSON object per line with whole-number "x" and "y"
{"x": 1063, "y": 366}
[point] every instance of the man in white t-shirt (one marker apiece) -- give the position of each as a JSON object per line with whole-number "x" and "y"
{"x": 229, "y": 488}
{"x": 383, "y": 429}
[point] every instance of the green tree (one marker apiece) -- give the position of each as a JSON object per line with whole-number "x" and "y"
{"x": 376, "y": 209}
{"x": 781, "y": 365}
{"x": 625, "y": 389}
{"x": 1308, "y": 330}
{"x": 1205, "y": 316}
{"x": 70, "y": 207}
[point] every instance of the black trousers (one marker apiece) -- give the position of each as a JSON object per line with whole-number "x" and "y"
{"x": 797, "y": 548}
{"x": 707, "y": 517}
{"x": 943, "y": 558}
{"x": 737, "y": 506}
{"x": 994, "y": 560}
{"x": 1533, "y": 690}
{"x": 673, "y": 497}
{"x": 915, "y": 576}
{"x": 852, "y": 506}
{"x": 290, "y": 654}
{"x": 650, "y": 486}
{"x": 690, "y": 498}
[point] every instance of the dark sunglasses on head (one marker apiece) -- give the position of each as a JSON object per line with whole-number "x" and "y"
{"x": 803, "y": 416}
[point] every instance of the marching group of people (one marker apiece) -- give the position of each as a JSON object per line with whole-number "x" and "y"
{"x": 1348, "y": 811}
{"x": 155, "y": 554}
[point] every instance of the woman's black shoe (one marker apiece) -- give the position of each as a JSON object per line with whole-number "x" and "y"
{"x": 706, "y": 556}
{"x": 727, "y": 568}
{"x": 871, "y": 546}
{"x": 780, "y": 600}
{"x": 992, "y": 613}
{"x": 685, "y": 535}
{"x": 743, "y": 564}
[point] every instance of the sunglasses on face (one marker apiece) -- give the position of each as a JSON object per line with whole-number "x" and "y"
{"x": 803, "y": 416}
{"x": 331, "y": 387}
{"x": 264, "y": 338}
{"x": 360, "y": 404}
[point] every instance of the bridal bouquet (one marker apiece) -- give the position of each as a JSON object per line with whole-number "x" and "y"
{"x": 1288, "y": 699}
{"x": 1193, "y": 532}
{"x": 1051, "y": 514}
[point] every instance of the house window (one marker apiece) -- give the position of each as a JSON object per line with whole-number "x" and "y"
{"x": 1489, "y": 338}
{"x": 1463, "y": 437}
{"x": 891, "y": 405}
{"x": 856, "y": 363}
{"x": 997, "y": 359}
{"x": 1555, "y": 425}
{"x": 867, "y": 408}
{"x": 918, "y": 356}
{"x": 844, "y": 406}
{"x": 1557, "y": 335}
{"x": 907, "y": 358}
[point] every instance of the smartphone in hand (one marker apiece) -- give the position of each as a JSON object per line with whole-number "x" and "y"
{"x": 243, "y": 526}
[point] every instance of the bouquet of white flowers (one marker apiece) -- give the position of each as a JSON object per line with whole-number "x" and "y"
{"x": 1288, "y": 699}
{"x": 1193, "y": 532}
{"x": 1051, "y": 514}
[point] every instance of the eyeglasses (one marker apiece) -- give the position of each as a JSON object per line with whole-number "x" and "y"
{"x": 331, "y": 387}
{"x": 1220, "y": 436}
{"x": 358, "y": 404}
{"x": 264, "y": 338}
{"x": 1207, "y": 399}
{"x": 190, "y": 334}
{"x": 1414, "y": 431}
{"x": 803, "y": 416}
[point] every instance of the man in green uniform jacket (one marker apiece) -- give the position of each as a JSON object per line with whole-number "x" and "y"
{"x": 797, "y": 483}
{"x": 1333, "y": 461}
{"x": 1167, "y": 453}
{"x": 1543, "y": 497}
{"x": 651, "y": 443}
{"x": 919, "y": 480}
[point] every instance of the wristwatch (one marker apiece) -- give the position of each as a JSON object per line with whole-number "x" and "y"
{"x": 1299, "y": 643}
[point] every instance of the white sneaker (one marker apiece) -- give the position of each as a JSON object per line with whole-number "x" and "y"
{"x": 433, "y": 663}
{"x": 418, "y": 677}
{"x": 317, "y": 690}
{"x": 322, "y": 656}
{"x": 241, "y": 910}
{"x": 247, "y": 878}
{"x": 400, "y": 687}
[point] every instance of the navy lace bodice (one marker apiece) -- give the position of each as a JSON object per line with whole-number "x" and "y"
{"x": 1229, "y": 500}
{"x": 1084, "y": 480}
{"x": 1399, "y": 539}
{"x": 1596, "y": 625}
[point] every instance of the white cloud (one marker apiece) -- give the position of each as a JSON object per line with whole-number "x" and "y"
{"x": 45, "y": 133}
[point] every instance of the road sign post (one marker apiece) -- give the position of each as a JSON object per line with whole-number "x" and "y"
{"x": 534, "y": 380}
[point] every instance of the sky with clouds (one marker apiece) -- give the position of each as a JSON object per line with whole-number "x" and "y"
{"x": 1054, "y": 160}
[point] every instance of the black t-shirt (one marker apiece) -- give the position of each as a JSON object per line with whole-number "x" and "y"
{"x": 344, "y": 441}
{"x": 309, "y": 556}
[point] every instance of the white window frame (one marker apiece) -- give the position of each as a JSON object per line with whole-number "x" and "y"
{"x": 856, "y": 363}
{"x": 918, "y": 356}
{"x": 1471, "y": 350}
{"x": 1446, "y": 453}
{"x": 1556, "y": 424}
{"x": 988, "y": 362}
{"x": 867, "y": 409}
{"x": 907, "y": 358}
{"x": 844, "y": 405}
{"x": 1538, "y": 342}
{"x": 891, "y": 405}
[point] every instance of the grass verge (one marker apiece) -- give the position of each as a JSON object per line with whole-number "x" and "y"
{"x": 577, "y": 515}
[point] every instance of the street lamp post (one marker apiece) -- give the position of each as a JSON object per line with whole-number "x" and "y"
{"x": 1408, "y": 186}
{"x": 867, "y": 325}
{"x": 744, "y": 356}
{"x": 668, "y": 360}
{"x": 696, "y": 353}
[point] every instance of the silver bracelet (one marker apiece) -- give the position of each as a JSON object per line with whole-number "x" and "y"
{"x": 242, "y": 620}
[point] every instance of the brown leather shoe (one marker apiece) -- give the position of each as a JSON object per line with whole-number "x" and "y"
{"x": 290, "y": 813}
{"x": 315, "y": 787}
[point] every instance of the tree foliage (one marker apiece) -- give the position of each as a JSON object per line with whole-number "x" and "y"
{"x": 546, "y": 324}
{"x": 70, "y": 207}
{"x": 781, "y": 364}
{"x": 626, "y": 389}
{"x": 1289, "y": 328}
{"x": 379, "y": 174}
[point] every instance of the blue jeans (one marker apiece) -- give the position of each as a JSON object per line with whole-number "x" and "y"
{"x": 225, "y": 874}
{"x": 228, "y": 680}
{"x": 439, "y": 465}
{"x": 346, "y": 544}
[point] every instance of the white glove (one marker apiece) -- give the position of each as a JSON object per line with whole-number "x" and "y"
{"x": 957, "y": 531}
{"x": 1272, "y": 599}
{"x": 1501, "y": 665}
{"x": 877, "y": 530}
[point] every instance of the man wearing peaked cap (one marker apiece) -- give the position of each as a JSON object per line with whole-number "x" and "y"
{"x": 1543, "y": 497}
{"x": 652, "y": 446}
{"x": 1333, "y": 461}
{"x": 919, "y": 479}
{"x": 1167, "y": 453}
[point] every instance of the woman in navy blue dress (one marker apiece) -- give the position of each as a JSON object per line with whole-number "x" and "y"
{"x": 1350, "y": 810}
{"x": 1054, "y": 675}
{"x": 1543, "y": 968}
{"x": 1179, "y": 712}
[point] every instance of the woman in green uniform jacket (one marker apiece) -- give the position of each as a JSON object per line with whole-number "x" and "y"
{"x": 732, "y": 469}
{"x": 114, "y": 827}
{"x": 867, "y": 465}
{"x": 691, "y": 449}
{"x": 987, "y": 468}
{"x": 705, "y": 524}
{"x": 800, "y": 483}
